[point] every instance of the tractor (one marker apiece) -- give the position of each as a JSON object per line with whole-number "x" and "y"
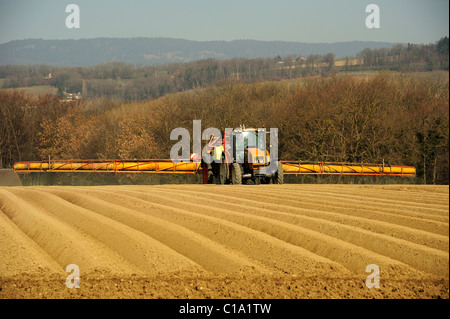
{"x": 241, "y": 157}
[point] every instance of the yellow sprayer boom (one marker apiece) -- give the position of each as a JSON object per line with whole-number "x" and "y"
{"x": 167, "y": 166}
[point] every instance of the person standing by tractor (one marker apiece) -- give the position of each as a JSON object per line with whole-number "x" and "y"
{"x": 216, "y": 150}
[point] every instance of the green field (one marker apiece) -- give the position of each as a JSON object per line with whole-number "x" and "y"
{"x": 38, "y": 90}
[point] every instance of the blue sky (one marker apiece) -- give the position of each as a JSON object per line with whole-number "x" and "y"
{"x": 414, "y": 21}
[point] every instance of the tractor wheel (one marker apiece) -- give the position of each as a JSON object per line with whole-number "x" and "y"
{"x": 236, "y": 174}
{"x": 279, "y": 177}
{"x": 223, "y": 173}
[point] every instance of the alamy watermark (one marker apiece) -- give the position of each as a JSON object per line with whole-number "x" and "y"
{"x": 232, "y": 141}
{"x": 373, "y": 19}
{"x": 73, "y": 19}
{"x": 373, "y": 280}
{"x": 73, "y": 280}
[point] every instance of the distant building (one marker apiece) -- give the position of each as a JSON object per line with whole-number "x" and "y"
{"x": 72, "y": 96}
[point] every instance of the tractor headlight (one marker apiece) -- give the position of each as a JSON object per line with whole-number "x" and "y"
{"x": 259, "y": 159}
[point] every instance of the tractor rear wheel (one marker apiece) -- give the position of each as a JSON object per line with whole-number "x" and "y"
{"x": 279, "y": 177}
{"x": 236, "y": 174}
{"x": 223, "y": 173}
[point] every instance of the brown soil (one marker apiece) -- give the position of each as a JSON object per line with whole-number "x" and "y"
{"x": 211, "y": 241}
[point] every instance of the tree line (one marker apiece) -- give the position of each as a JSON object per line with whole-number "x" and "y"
{"x": 402, "y": 118}
{"x": 412, "y": 57}
{"x": 128, "y": 82}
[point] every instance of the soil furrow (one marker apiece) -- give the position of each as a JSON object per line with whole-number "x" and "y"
{"x": 295, "y": 215}
{"x": 145, "y": 253}
{"x": 324, "y": 235}
{"x": 206, "y": 253}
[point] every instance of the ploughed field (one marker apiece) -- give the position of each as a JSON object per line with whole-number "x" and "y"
{"x": 212, "y": 241}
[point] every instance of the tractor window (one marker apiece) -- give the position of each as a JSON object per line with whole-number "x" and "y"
{"x": 238, "y": 150}
{"x": 250, "y": 140}
{"x": 247, "y": 139}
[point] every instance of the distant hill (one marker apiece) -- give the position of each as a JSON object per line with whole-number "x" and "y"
{"x": 87, "y": 52}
